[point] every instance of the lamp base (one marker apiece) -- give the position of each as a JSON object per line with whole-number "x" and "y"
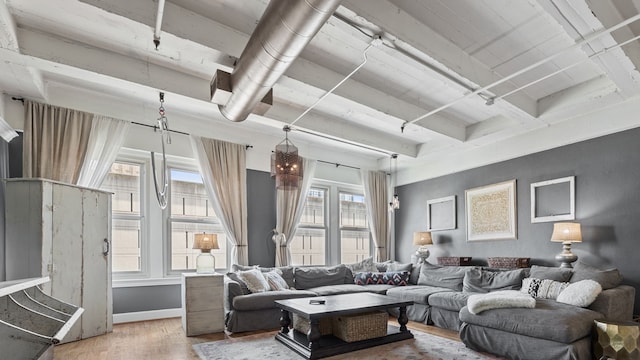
{"x": 566, "y": 257}
{"x": 422, "y": 254}
{"x": 205, "y": 263}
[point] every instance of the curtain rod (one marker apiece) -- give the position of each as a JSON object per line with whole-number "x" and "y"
{"x": 155, "y": 127}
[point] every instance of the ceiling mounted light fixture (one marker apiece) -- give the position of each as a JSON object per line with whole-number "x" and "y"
{"x": 286, "y": 165}
{"x": 395, "y": 202}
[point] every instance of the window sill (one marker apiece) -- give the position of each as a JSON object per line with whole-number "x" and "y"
{"x": 124, "y": 283}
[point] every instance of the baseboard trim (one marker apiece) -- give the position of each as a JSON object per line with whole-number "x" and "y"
{"x": 146, "y": 315}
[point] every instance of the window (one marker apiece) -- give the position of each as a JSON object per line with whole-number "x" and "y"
{"x": 190, "y": 212}
{"x": 355, "y": 243}
{"x": 308, "y": 245}
{"x": 125, "y": 182}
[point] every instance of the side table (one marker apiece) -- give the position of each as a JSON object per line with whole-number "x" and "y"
{"x": 616, "y": 340}
{"x": 202, "y": 303}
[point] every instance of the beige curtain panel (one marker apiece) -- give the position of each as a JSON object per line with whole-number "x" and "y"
{"x": 55, "y": 142}
{"x": 289, "y": 209}
{"x": 376, "y": 198}
{"x": 224, "y": 171}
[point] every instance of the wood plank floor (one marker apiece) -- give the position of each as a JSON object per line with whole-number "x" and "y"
{"x": 164, "y": 340}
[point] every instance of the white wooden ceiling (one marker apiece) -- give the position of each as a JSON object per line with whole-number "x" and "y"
{"x": 435, "y": 54}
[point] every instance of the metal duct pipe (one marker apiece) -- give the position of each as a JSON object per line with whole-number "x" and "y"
{"x": 285, "y": 28}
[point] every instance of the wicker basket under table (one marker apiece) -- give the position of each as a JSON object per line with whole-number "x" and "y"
{"x": 358, "y": 327}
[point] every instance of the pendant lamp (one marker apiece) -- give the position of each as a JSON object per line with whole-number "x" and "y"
{"x": 286, "y": 165}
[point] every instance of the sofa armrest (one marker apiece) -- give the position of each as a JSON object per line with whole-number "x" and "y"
{"x": 616, "y": 303}
{"x": 231, "y": 290}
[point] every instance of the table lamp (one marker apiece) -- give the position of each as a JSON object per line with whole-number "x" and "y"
{"x": 205, "y": 262}
{"x": 566, "y": 233}
{"x": 422, "y": 239}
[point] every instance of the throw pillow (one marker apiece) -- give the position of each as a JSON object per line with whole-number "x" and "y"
{"x": 275, "y": 280}
{"x": 254, "y": 280}
{"x": 551, "y": 273}
{"x": 362, "y": 266}
{"x": 243, "y": 286}
{"x": 310, "y": 277}
{"x": 449, "y": 277}
{"x": 398, "y": 278}
{"x": 581, "y": 293}
{"x": 397, "y": 266}
{"x": 543, "y": 288}
{"x": 287, "y": 271}
{"x": 608, "y": 279}
{"x": 480, "y": 280}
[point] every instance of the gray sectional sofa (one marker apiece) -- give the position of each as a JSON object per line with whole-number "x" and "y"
{"x": 551, "y": 330}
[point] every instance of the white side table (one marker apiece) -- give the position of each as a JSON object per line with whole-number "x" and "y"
{"x": 202, "y": 303}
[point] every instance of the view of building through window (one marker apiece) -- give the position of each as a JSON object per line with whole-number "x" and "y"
{"x": 308, "y": 245}
{"x": 190, "y": 213}
{"x": 354, "y": 228}
{"x": 124, "y": 181}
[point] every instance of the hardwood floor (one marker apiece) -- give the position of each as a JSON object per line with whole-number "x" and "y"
{"x": 163, "y": 340}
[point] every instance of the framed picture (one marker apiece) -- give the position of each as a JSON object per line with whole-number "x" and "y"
{"x": 491, "y": 212}
{"x": 441, "y": 213}
{"x": 553, "y": 200}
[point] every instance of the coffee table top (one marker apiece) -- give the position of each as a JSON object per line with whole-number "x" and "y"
{"x": 340, "y": 304}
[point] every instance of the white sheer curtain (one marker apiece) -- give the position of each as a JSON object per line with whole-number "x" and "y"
{"x": 106, "y": 138}
{"x": 55, "y": 141}
{"x": 376, "y": 198}
{"x": 224, "y": 171}
{"x": 290, "y": 205}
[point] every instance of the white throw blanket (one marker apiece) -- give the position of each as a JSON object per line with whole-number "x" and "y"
{"x": 499, "y": 299}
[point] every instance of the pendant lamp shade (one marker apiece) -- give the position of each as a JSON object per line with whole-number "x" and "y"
{"x": 286, "y": 165}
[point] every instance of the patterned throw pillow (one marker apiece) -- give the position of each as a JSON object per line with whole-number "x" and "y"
{"x": 275, "y": 280}
{"x": 398, "y": 278}
{"x": 254, "y": 280}
{"x": 543, "y": 288}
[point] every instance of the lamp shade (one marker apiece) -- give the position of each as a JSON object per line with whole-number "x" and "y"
{"x": 422, "y": 238}
{"x": 566, "y": 232}
{"x": 205, "y": 241}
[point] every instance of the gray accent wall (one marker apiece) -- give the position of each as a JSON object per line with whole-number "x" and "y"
{"x": 261, "y": 219}
{"x": 607, "y": 175}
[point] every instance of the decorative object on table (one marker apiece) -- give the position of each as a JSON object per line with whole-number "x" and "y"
{"x": 454, "y": 260}
{"x": 553, "y": 200}
{"x": 395, "y": 201}
{"x": 286, "y": 165}
{"x": 422, "y": 239}
{"x": 617, "y": 340}
{"x": 502, "y": 262}
{"x": 205, "y": 262}
{"x": 441, "y": 213}
{"x": 566, "y": 233}
{"x": 423, "y": 346}
{"x": 491, "y": 212}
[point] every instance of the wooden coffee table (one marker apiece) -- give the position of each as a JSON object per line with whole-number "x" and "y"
{"x": 314, "y": 346}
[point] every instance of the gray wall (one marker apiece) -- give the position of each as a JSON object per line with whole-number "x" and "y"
{"x": 607, "y": 171}
{"x": 261, "y": 219}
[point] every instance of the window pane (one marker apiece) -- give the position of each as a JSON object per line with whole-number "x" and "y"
{"x": 307, "y": 247}
{"x": 183, "y": 257}
{"x": 123, "y": 181}
{"x": 354, "y": 246}
{"x": 313, "y": 213}
{"x": 353, "y": 212}
{"x": 125, "y": 245}
{"x": 188, "y": 196}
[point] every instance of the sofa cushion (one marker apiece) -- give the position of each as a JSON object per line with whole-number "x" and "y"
{"x": 450, "y": 300}
{"x": 417, "y": 293}
{"x": 415, "y": 274}
{"x": 265, "y": 300}
{"x": 311, "y": 277}
{"x": 287, "y": 271}
{"x": 581, "y": 293}
{"x": 549, "y": 320}
{"x": 543, "y": 288}
{"x": 442, "y": 276}
{"x": 608, "y": 279}
{"x": 378, "y": 288}
{"x": 337, "y": 289}
{"x": 398, "y": 266}
{"x": 399, "y": 278}
{"x": 485, "y": 280}
{"x": 551, "y": 273}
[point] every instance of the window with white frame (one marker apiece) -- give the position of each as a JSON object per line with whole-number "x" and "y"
{"x": 190, "y": 212}
{"x": 308, "y": 244}
{"x": 125, "y": 181}
{"x": 355, "y": 237}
